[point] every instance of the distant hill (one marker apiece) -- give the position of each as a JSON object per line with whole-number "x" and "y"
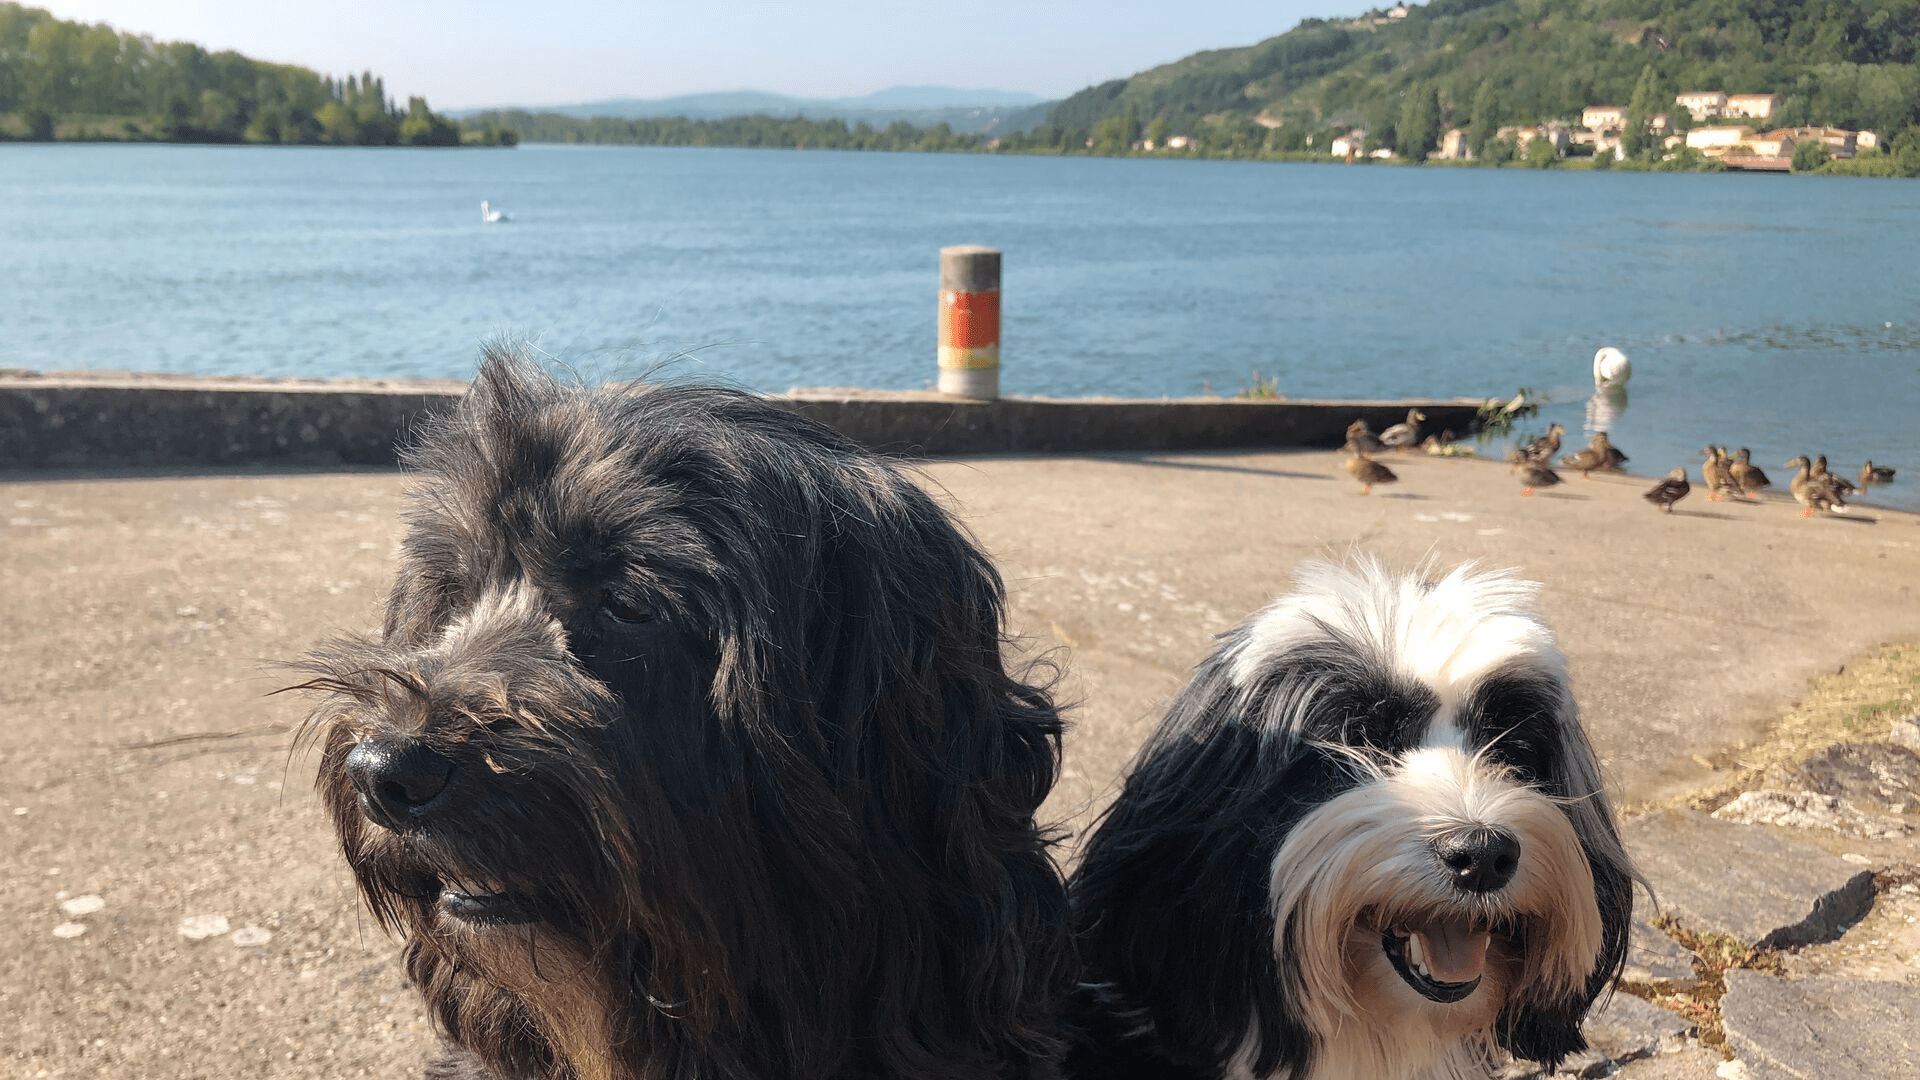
{"x": 1849, "y": 63}
{"x": 971, "y": 111}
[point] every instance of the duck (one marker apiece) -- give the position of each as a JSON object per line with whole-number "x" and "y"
{"x": 1811, "y": 492}
{"x": 1404, "y": 436}
{"x": 1599, "y": 454}
{"x": 1671, "y": 489}
{"x": 492, "y": 216}
{"x": 1533, "y": 474}
{"x": 1543, "y": 448}
{"x": 1362, "y": 440}
{"x": 1840, "y": 484}
{"x": 1369, "y": 472}
{"x": 1748, "y": 475}
{"x": 1875, "y": 474}
{"x": 1615, "y": 458}
{"x": 1716, "y": 475}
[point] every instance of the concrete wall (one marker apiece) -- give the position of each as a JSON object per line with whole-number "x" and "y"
{"x": 79, "y": 420}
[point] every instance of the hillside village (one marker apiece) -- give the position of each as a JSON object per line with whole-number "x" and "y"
{"x": 1714, "y": 131}
{"x": 1712, "y": 128}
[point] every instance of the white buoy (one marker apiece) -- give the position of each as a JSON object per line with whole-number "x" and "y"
{"x": 1611, "y": 368}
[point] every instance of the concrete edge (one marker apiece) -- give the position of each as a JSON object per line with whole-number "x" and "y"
{"x": 120, "y": 419}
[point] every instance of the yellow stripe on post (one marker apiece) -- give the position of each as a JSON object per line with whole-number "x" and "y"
{"x": 970, "y": 321}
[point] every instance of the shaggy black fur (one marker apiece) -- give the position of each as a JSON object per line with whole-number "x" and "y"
{"x": 688, "y": 751}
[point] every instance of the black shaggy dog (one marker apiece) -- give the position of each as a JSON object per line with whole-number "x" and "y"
{"x": 688, "y": 751}
{"x": 1368, "y": 842}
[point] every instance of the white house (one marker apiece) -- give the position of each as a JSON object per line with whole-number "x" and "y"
{"x": 1603, "y": 117}
{"x": 1772, "y": 144}
{"x": 1754, "y": 106}
{"x": 1714, "y": 139}
{"x": 1703, "y": 104}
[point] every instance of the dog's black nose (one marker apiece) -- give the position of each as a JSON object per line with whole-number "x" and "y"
{"x": 1481, "y": 860}
{"x": 401, "y": 784}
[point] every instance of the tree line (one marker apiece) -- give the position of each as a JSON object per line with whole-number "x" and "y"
{"x": 71, "y": 80}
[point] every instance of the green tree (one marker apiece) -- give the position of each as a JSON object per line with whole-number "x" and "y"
{"x": 1115, "y": 134}
{"x": 1541, "y": 153}
{"x": 1808, "y": 156}
{"x": 422, "y": 127}
{"x": 1157, "y": 132}
{"x": 1906, "y": 152}
{"x": 1418, "y": 132}
{"x": 271, "y": 125}
{"x": 1648, "y": 98}
{"x": 1486, "y": 118}
{"x": 336, "y": 124}
{"x": 218, "y": 117}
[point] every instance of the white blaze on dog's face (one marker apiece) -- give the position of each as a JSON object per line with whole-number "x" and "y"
{"x": 1450, "y": 881}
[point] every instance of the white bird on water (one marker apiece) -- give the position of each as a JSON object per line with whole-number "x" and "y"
{"x": 490, "y": 216}
{"x": 1610, "y": 367}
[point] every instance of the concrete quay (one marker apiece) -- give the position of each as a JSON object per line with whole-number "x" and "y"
{"x": 179, "y": 909}
{"x": 98, "y": 420}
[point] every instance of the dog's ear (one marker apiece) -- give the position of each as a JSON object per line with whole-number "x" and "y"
{"x": 1171, "y": 896}
{"x": 1546, "y": 1027}
{"x": 894, "y": 709}
{"x": 460, "y": 455}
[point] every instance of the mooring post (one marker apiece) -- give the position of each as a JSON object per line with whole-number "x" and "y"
{"x": 970, "y": 321}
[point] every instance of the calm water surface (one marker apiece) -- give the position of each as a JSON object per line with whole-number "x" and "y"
{"x": 1781, "y": 313}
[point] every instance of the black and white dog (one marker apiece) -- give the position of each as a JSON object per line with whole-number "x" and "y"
{"x": 688, "y": 751}
{"x": 1368, "y": 842}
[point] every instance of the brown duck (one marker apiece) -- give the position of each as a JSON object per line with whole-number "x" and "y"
{"x": 1716, "y": 474}
{"x": 1812, "y": 491}
{"x": 1543, "y": 448}
{"x": 1840, "y": 484}
{"x": 1405, "y": 436}
{"x": 1600, "y": 454}
{"x": 1362, "y": 440}
{"x": 1369, "y": 472}
{"x": 1748, "y": 475}
{"x": 1871, "y": 474}
{"x": 1533, "y": 474}
{"x": 1671, "y": 489}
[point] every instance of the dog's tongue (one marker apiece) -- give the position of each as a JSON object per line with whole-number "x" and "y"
{"x": 1453, "y": 950}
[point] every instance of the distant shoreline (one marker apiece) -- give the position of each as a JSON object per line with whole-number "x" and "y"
{"x": 1838, "y": 167}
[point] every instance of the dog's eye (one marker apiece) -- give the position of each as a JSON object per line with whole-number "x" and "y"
{"x": 625, "y": 611}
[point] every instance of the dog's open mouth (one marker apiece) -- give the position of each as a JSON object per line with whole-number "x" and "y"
{"x": 486, "y": 905}
{"x": 1441, "y": 959}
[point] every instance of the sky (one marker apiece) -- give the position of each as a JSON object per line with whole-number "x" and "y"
{"x": 558, "y": 52}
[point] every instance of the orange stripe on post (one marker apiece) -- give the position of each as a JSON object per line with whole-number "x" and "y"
{"x": 969, "y": 321}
